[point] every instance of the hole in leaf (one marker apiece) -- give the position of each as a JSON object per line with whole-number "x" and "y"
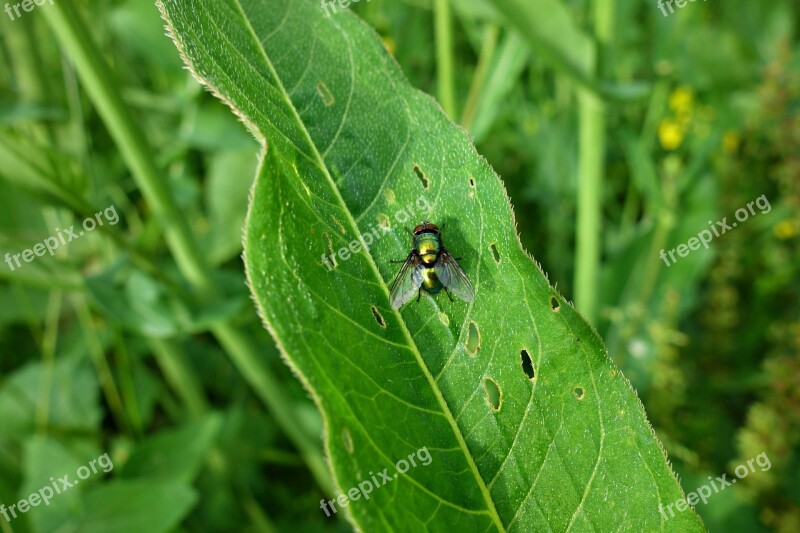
{"x": 527, "y": 364}
{"x": 494, "y": 396}
{"x": 579, "y": 393}
{"x": 325, "y": 94}
{"x": 347, "y": 440}
{"x": 495, "y": 253}
{"x": 378, "y": 316}
{"x": 389, "y": 195}
{"x": 472, "y": 182}
{"x": 339, "y": 225}
{"x": 384, "y": 221}
{"x": 422, "y": 177}
{"x": 444, "y": 318}
{"x": 554, "y": 305}
{"x": 473, "y": 342}
{"x": 330, "y": 256}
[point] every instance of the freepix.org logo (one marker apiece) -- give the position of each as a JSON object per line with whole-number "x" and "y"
{"x": 702, "y": 494}
{"x": 719, "y": 228}
{"x": 50, "y": 244}
{"x": 26, "y": 5}
{"x": 376, "y": 481}
{"x": 377, "y": 231}
{"x": 56, "y": 486}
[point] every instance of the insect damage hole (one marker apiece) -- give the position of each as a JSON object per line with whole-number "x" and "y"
{"x": 330, "y": 257}
{"x": 339, "y": 225}
{"x": 554, "y": 305}
{"x": 347, "y": 440}
{"x": 473, "y": 342}
{"x": 527, "y": 364}
{"x": 472, "y": 182}
{"x": 384, "y": 221}
{"x": 378, "y": 316}
{"x": 325, "y": 94}
{"x": 426, "y": 183}
{"x": 579, "y": 393}
{"x": 495, "y": 253}
{"x": 494, "y": 395}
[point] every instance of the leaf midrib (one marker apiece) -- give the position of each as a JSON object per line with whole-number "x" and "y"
{"x": 353, "y": 226}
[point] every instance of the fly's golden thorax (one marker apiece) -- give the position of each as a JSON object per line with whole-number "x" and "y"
{"x": 427, "y": 245}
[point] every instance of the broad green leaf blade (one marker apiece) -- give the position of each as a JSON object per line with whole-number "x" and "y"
{"x": 352, "y": 154}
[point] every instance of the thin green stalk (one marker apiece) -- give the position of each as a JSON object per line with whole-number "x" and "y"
{"x": 127, "y": 385}
{"x": 49, "y": 342}
{"x": 103, "y": 369}
{"x": 479, "y": 79}
{"x": 590, "y": 174}
{"x": 96, "y": 77}
{"x": 443, "y": 21}
{"x": 173, "y": 365}
{"x": 591, "y": 168}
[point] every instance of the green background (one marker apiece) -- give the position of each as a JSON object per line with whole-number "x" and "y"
{"x": 117, "y": 344}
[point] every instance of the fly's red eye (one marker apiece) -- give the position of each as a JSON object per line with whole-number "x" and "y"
{"x": 424, "y": 227}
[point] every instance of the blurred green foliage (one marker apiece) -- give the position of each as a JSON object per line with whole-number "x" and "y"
{"x": 108, "y": 346}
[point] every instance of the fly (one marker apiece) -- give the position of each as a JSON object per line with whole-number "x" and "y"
{"x": 429, "y": 267}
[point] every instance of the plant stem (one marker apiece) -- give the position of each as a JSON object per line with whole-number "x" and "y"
{"x": 444, "y": 56}
{"x": 173, "y": 365}
{"x": 479, "y": 79}
{"x": 590, "y": 173}
{"x": 591, "y": 167}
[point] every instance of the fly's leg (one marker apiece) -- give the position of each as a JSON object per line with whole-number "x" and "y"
{"x": 448, "y": 294}
{"x": 419, "y": 294}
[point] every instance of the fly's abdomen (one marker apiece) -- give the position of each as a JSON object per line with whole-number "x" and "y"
{"x": 430, "y": 282}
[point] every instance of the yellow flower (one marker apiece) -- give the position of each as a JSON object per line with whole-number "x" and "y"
{"x": 785, "y": 229}
{"x": 670, "y": 134}
{"x": 681, "y": 100}
{"x": 730, "y": 142}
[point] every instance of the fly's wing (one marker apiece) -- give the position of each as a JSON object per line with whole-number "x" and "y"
{"x": 453, "y": 277}
{"x": 407, "y": 282}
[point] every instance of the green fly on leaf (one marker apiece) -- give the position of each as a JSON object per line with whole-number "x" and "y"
{"x": 429, "y": 267}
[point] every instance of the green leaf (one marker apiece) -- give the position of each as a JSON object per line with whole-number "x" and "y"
{"x": 148, "y": 306}
{"x": 349, "y": 143}
{"x": 226, "y": 193}
{"x": 135, "y": 506}
{"x": 174, "y": 454}
{"x": 70, "y": 389}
